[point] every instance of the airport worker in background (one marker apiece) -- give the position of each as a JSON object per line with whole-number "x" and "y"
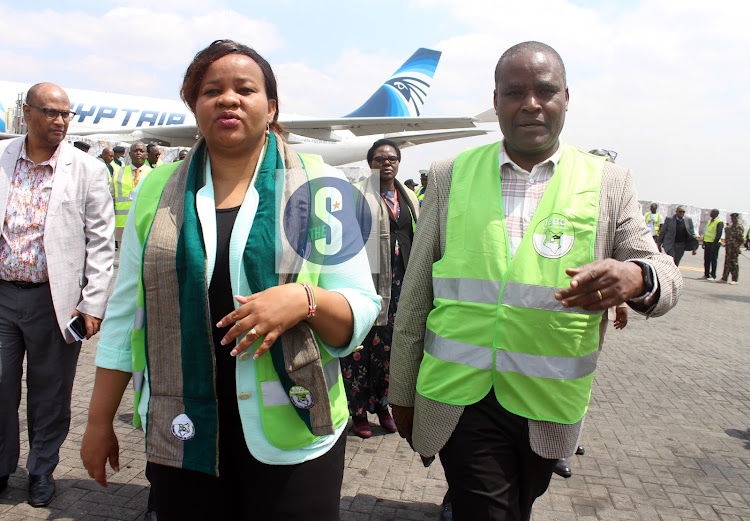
{"x": 711, "y": 245}
{"x": 733, "y": 243}
{"x": 411, "y": 184}
{"x": 237, "y": 372}
{"x": 423, "y": 188}
{"x": 653, "y": 220}
{"x": 108, "y": 157}
{"x": 153, "y": 152}
{"x": 473, "y": 365}
{"x": 56, "y": 261}
{"x": 181, "y": 155}
{"x": 366, "y": 371}
{"x": 119, "y": 152}
{"x": 677, "y": 235}
{"x": 125, "y": 182}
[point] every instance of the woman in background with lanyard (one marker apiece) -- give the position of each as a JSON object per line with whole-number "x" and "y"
{"x": 366, "y": 371}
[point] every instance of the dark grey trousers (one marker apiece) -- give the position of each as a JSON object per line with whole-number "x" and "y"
{"x": 28, "y": 327}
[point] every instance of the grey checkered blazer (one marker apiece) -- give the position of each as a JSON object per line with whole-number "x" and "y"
{"x": 621, "y": 234}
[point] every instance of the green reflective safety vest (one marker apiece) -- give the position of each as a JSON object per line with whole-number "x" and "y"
{"x": 115, "y": 169}
{"x": 420, "y": 194}
{"x": 281, "y": 424}
{"x": 711, "y": 230}
{"x": 495, "y": 321}
{"x": 657, "y": 220}
{"x": 124, "y": 186}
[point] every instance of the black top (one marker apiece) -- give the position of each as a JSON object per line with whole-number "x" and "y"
{"x": 680, "y": 232}
{"x": 401, "y": 227}
{"x": 221, "y": 303}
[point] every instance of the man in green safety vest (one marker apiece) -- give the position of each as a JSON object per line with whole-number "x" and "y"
{"x": 123, "y": 184}
{"x": 423, "y": 188}
{"x": 521, "y": 245}
{"x": 711, "y": 245}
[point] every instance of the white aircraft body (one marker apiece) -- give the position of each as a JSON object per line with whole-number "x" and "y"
{"x": 393, "y": 111}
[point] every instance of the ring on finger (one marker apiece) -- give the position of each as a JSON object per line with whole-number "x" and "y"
{"x": 599, "y": 294}
{"x": 253, "y": 331}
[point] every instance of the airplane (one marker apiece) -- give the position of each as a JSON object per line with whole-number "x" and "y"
{"x": 393, "y": 111}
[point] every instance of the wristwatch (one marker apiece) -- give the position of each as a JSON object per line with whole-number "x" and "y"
{"x": 648, "y": 278}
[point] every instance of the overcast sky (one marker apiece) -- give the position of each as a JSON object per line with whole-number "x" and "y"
{"x": 665, "y": 83}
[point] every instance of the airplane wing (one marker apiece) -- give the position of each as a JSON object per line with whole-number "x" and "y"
{"x": 323, "y": 128}
{"x": 174, "y": 135}
{"x": 408, "y": 139}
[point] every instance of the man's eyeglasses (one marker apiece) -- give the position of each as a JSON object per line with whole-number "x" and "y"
{"x": 53, "y": 113}
{"x": 383, "y": 159}
{"x": 603, "y": 152}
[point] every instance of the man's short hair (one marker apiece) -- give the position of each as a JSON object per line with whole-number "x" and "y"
{"x": 526, "y": 48}
{"x": 118, "y": 149}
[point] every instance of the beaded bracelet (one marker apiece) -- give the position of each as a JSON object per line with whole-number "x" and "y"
{"x": 311, "y": 304}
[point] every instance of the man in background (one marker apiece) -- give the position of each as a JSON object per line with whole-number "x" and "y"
{"x": 653, "y": 220}
{"x": 711, "y": 244}
{"x": 125, "y": 182}
{"x": 735, "y": 234}
{"x": 677, "y": 235}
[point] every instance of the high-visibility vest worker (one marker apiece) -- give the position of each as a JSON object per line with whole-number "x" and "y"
{"x": 657, "y": 221}
{"x": 420, "y": 194}
{"x": 125, "y": 182}
{"x": 711, "y": 230}
{"x": 496, "y": 322}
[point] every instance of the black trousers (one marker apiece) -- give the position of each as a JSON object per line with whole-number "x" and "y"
{"x": 247, "y": 489}
{"x": 492, "y": 472}
{"x": 677, "y": 251}
{"x": 710, "y": 258}
{"x": 28, "y": 327}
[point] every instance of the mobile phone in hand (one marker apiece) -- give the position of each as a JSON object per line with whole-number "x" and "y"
{"x": 77, "y": 327}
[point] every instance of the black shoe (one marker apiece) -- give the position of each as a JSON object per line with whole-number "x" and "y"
{"x": 447, "y": 513}
{"x": 562, "y": 468}
{"x": 41, "y": 489}
{"x": 580, "y": 450}
{"x": 3, "y": 482}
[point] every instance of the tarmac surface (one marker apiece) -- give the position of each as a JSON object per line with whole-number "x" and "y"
{"x": 667, "y": 435}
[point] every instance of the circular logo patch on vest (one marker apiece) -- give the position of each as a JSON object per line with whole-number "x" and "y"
{"x": 301, "y": 397}
{"x": 183, "y": 428}
{"x": 554, "y": 236}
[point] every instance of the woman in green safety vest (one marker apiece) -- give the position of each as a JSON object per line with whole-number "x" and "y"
{"x": 239, "y": 286}
{"x": 366, "y": 371}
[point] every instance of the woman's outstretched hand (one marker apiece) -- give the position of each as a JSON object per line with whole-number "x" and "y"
{"x": 268, "y": 313}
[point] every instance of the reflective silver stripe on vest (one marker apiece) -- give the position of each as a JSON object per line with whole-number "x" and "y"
{"x": 553, "y": 367}
{"x": 274, "y": 393}
{"x": 479, "y": 357}
{"x": 122, "y": 212}
{"x": 537, "y": 297}
{"x": 137, "y": 380}
{"x": 457, "y": 352}
{"x": 467, "y": 290}
{"x": 123, "y": 199}
{"x": 515, "y": 294}
{"x": 140, "y": 317}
